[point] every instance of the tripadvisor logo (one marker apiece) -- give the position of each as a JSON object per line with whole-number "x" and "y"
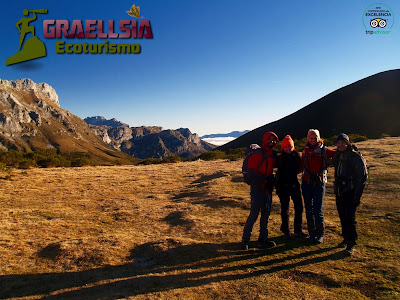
{"x": 31, "y": 47}
{"x": 378, "y": 18}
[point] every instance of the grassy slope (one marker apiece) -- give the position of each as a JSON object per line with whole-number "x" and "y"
{"x": 163, "y": 231}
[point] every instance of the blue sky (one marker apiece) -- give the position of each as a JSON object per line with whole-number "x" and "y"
{"x": 212, "y": 66}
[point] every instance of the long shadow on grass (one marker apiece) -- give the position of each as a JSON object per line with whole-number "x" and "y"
{"x": 164, "y": 266}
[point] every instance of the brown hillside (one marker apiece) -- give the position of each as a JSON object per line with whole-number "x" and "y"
{"x": 171, "y": 232}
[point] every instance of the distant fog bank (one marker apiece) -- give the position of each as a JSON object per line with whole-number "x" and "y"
{"x": 218, "y": 141}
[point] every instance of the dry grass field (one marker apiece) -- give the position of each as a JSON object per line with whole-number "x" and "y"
{"x": 172, "y": 231}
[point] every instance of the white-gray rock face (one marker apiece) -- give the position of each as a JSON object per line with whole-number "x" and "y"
{"x": 31, "y": 119}
{"x": 152, "y": 141}
{"x": 40, "y": 90}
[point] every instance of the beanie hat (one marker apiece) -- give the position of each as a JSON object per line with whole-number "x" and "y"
{"x": 314, "y": 131}
{"x": 287, "y": 141}
{"x": 343, "y": 137}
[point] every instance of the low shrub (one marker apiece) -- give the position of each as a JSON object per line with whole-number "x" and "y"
{"x": 26, "y": 164}
{"x": 213, "y": 155}
{"x": 299, "y": 144}
{"x": 127, "y": 161}
{"x": 355, "y": 138}
{"x": 150, "y": 161}
{"x": 81, "y": 161}
{"x": 172, "y": 159}
{"x": 236, "y": 154}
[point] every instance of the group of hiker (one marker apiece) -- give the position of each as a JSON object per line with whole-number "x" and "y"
{"x": 350, "y": 179}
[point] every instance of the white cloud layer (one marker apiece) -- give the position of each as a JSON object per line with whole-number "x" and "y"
{"x": 219, "y": 140}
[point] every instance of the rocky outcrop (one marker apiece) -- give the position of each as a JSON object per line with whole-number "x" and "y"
{"x": 40, "y": 90}
{"x": 152, "y": 141}
{"x": 100, "y": 120}
{"x": 169, "y": 142}
{"x": 31, "y": 119}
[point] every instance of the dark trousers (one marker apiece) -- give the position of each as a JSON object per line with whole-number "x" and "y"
{"x": 347, "y": 214}
{"x": 284, "y": 198}
{"x": 314, "y": 195}
{"x": 260, "y": 201}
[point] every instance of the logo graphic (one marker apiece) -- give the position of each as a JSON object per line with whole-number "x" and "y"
{"x": 33, "y": 47}
{"x": 134, "y": 12}
{"x": 377, "y": 16}
{"x": 378, "y": 22}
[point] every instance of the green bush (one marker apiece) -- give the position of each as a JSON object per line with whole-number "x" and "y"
{"x": 126, "y": 161}
{"x": 236, "y": 154}
{"x": 172, "y": 159}
{"x": 355, "y": 138}
{"x": 299, "y": 144}
{"x": 151, "y": 161}
{"x": 46, "y": 163}
{"x": 213, "y": 155}
{"x": 11, "y": 157}
{"x": 81, "y": 161}
{"x": 26, "y": 164}
{"x": 331, "y": 141}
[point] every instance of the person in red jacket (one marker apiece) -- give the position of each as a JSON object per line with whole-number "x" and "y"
{"x": 260, "y": 173}
{"x": 315, "y": 162}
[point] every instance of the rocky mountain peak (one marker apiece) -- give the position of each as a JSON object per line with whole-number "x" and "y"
{"x": 100, "y": 120}
{"x": 40, "y": 90}
{"x": 149, "y": 141}
{"x": 31, "y": 119}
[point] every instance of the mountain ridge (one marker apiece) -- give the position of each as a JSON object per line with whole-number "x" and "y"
{"x": 149, "y": 141}
{"x": 368, "y": 107}
{"x": 100, "y": 120}
{"x": 31, "y": 119}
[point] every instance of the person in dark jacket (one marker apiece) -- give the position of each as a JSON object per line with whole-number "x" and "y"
{"x": 287, "y": 185}
{"x": 350, "y": 179}
{"x": 260, "y": 173}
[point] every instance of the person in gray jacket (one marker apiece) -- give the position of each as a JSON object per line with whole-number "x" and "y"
{"x": 350, "y": 179}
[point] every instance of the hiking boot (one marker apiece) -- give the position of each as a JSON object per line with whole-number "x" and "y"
{"x": 319, "y": 239}
{"x": 342, "y": 244}
{"x": 244, "y": 246}
{"x": 350, "y": 249}
{"x": 311, "y": 238}
{"x": 266, "y": 243}
{"x": 300, "y": 234}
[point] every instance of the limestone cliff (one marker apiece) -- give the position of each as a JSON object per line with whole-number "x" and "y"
{"x": 31, "y": 119}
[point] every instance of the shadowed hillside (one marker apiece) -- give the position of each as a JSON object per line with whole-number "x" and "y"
{"x": 368, "y": 107}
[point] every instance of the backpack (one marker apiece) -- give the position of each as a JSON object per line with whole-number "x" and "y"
{"x": 320, "y": 177}
{"x": 366, "y": 167}
{"x": 250, "y": 150}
